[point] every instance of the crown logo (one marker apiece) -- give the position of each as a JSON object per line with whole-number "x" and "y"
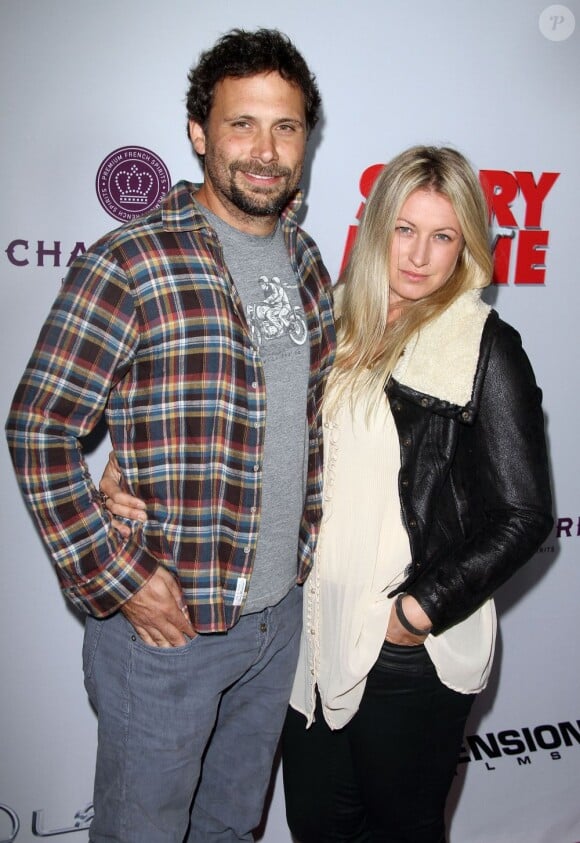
{"x": 134, "y": 185}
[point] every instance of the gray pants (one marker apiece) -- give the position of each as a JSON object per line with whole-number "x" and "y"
{"x": 202, "y": 720}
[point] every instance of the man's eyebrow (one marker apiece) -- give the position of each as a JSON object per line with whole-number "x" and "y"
{"x": 295, "y": 120}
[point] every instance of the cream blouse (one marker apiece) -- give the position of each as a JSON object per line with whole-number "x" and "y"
{"x": 362, "y": 554}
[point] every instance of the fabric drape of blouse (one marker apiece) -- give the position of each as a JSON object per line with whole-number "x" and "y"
{"x": 362, "y": 554}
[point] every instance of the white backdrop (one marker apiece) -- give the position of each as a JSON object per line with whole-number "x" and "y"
{"x": 499, "y": 80}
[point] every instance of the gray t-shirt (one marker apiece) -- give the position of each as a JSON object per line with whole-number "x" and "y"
{"x": 268, "y": 288}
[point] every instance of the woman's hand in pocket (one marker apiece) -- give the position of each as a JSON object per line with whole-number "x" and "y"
{"x": 415, "y": 616}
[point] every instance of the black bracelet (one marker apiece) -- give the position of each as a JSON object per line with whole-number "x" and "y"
{"x": 404, "y": 621}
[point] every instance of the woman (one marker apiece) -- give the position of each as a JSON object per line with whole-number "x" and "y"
{"x": 436, "y": 492}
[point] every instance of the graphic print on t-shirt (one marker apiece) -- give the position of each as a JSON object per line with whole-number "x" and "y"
{"x": 275, "y": 317}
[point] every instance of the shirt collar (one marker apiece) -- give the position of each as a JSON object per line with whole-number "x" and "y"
{"x": 180, "y": 211}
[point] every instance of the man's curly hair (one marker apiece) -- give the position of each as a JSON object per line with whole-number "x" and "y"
{"x": 241, "y": 53}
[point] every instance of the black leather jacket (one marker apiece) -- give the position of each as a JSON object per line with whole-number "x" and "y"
{"x": 474, "y": 484}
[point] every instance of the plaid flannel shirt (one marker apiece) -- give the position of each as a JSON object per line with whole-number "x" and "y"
{"x": 148, "y": 329}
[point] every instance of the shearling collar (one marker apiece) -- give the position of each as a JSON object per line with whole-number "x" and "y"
{"x": 441, "y": 360}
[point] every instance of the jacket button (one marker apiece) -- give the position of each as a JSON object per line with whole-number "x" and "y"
{"x": 424, "y": 402}
{"x": 465, "y": 415}
{"x": 412, "y": 523}
{"x": 404, "y": 482}
{"x": 406, "y": 442}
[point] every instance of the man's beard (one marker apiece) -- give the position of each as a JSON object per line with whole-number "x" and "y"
{"x": 258, "y": 201}
{"x": 253, "y": 201}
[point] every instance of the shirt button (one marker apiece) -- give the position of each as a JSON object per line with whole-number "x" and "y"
{"x": 247, "y": 550}
{"x": 256, "y": 467}
{"x": 254, "y": 509}
{"x": 254, "y": 384}
{"x": 263, "y": 627}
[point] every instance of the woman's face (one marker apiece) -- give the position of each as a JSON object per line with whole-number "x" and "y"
{"x": 425, "y": 247}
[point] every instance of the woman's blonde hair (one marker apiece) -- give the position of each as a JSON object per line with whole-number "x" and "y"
{"x": 368, "y": 349}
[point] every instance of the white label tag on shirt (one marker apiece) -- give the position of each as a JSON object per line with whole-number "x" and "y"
{"x": 240, "y": 590}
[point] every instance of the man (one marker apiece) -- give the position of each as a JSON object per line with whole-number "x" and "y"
{"x": 194, "y": 615}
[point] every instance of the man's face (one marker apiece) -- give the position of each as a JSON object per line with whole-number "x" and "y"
{"x": 254, "y": 146}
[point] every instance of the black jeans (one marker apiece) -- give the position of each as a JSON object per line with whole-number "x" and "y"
{"x": 385, "y": 776}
